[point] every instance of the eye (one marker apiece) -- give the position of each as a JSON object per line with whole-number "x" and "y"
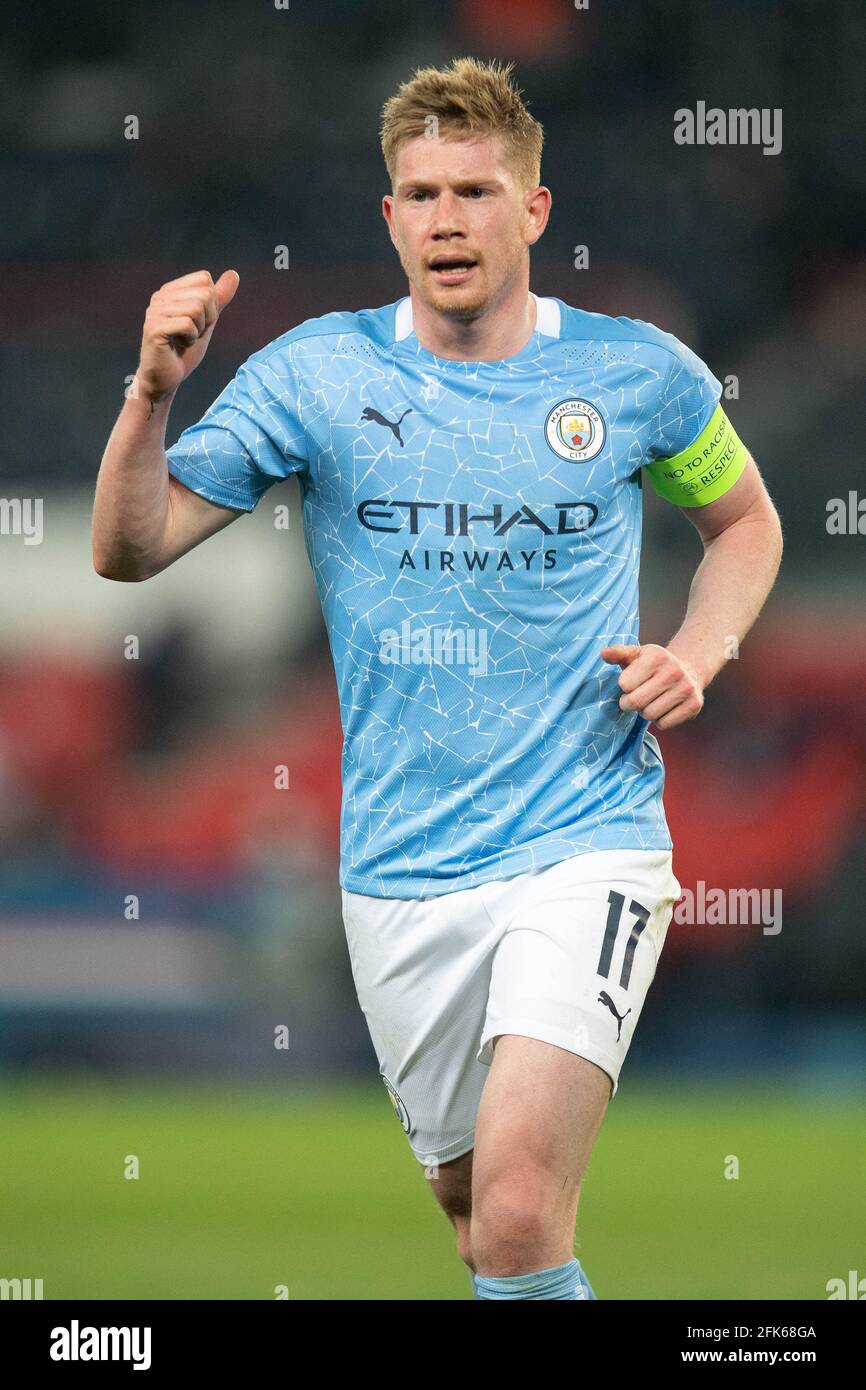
{"x": 418, "y": 193}
{"x": 476, "y": 193}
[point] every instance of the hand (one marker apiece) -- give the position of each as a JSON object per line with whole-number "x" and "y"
{"x": 177, "y": 329}
{"x": 657, "y": 683}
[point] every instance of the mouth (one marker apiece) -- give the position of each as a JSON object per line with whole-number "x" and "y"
{"x": 452, "y": 270}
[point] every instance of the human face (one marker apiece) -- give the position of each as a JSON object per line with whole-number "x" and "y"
{"x": 461, "y": 222}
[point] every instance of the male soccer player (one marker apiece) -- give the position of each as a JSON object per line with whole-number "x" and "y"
{"x": 470, "y": 460}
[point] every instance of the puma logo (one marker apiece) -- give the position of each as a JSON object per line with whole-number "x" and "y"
{"x": 604, "y": 998}
{"x": 378, "y": 418}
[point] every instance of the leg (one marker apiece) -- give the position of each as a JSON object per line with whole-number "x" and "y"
{"x": 539, "y": 1116}
{"x": 568, "y": 984}
{"x": 422, "y": 974}
{"x": 452, "y": 1188}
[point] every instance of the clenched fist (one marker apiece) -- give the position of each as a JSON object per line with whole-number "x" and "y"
{"x": 177, "y": 329}
{"x": 657, "y": 683}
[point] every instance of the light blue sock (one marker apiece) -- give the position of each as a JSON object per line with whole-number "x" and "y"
{"x": 563, "y": 1282}
{"x": 588, "y": 1294}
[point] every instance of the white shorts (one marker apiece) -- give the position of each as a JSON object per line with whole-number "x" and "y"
{"x": 564, "y": 954}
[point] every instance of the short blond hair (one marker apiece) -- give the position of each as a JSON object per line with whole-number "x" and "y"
{"x": 469, "y": 98}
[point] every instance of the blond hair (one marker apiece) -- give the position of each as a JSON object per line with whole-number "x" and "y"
{"x": 467, "y": 99}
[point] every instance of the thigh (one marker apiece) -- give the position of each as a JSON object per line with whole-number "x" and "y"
{"x": 422, "y": 974}
{"x": 579, "y": 953}
{"x": 539, "y": 1117}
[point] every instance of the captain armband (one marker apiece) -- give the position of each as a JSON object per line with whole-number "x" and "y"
{"x": 704, "y": 471}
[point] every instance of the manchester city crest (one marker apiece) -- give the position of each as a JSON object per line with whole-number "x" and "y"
{"x": 575, "y": 431}
{"x": 400, "y": 1109}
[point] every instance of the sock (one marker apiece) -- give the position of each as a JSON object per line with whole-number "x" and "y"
{"x": 563, "y": 1282}
{"x": 589, "y": 1294}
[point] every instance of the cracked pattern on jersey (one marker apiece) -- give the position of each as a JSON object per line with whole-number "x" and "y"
{"x": 474, "y": 531}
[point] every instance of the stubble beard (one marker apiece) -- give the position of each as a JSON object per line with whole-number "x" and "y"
{"x": 458, "y": 301}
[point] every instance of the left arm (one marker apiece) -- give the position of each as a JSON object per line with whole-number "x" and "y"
{"x": 742, "y": 538}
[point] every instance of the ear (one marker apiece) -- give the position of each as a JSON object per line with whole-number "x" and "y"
{"x": 388, "y": 214}
{"x": 538, "y": 203}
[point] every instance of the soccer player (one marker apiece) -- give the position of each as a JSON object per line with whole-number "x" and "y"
{"x": 471, "y": 463}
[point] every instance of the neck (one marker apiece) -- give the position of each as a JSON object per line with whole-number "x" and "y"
{"x": 500, "y": 330}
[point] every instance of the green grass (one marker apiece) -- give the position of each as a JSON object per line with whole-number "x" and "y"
{"x": 242, "y": 1189}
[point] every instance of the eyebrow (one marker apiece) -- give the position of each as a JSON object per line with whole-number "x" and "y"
{"x": 425, "y": 186}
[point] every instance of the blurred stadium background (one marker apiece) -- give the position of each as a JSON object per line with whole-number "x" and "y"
{"x": 153, "y": 1034}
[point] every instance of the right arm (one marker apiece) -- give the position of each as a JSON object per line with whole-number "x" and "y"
{"x": 144, "y": 519}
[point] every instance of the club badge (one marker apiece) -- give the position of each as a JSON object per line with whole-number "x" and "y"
{"x": 575, "y": 431}
{"x": 399, "y": 1108}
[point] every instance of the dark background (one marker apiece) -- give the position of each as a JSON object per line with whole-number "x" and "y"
{"x": 153, "y": 776}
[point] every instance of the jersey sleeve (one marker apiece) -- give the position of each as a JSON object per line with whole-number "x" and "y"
{"x": 249, "y": 439}
{"x": 695, "y": 453}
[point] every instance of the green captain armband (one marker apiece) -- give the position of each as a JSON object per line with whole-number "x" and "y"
{"x": 704, "y": 471}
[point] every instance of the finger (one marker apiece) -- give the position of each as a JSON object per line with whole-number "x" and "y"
{"x": 226, "y": 288}
{"x": 665, "y": 704}
{"x": 619, "y": 654}
{"x": 196, "y": 277}
{"x": 207, "y": 309}
{"x": 186, "y": 307}
{"x": 160, "y": 323}
{"x": 640, "y": 696}
{"x": 179, "y": 326}
{"x": 681, "y": 715}
{"x": 648, "y": 666}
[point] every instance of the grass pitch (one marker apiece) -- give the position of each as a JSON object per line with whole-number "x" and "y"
{"x": 241, "y": 1190}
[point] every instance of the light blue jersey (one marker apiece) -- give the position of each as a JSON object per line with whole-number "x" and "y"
{"x": 474, "y": 530}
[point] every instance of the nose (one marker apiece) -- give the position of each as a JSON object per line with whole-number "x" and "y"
{"x": 448, "y": 220}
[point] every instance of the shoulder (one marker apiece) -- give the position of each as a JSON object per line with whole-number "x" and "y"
{"x": 636, "y": 337}
{"x": 366, "y": 329}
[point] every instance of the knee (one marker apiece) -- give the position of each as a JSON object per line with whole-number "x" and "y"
{"x": 515, "y": 1224}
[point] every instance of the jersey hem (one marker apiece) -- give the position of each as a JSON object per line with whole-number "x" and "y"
{"x": 456, "y": 1149}
{"x": 520, "y": 861}
{"x": 557, "y": 1037}
{"x": 221, "y": 493}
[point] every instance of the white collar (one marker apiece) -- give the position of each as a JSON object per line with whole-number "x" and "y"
{"x": 547, "y": 320}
